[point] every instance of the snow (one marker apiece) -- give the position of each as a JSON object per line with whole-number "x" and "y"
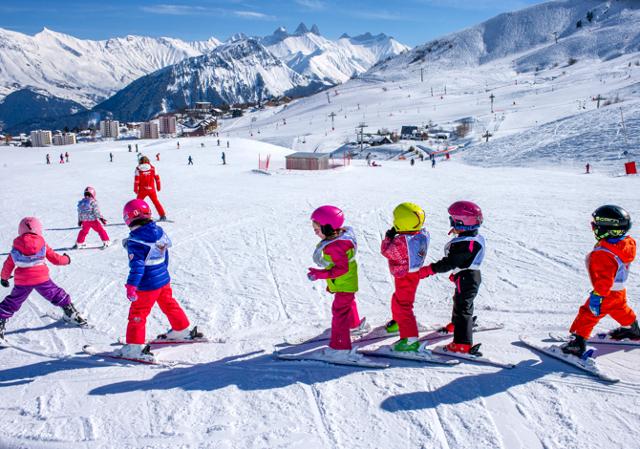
{"x": 242, "y": 246}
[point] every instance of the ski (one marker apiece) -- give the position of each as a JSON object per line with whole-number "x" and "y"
{"x": 422, "y": 355}
{"x": 92, "y": 351}
{"x": 442, "y": 350}
{"x": 102, "y": 247}
{"x": 602, "y": 338}
{"x": 441, "y": 334}
{"x": 60, "y": 318}
{"x": 162, "y": 342}
{"x": 587, "y": 364}
{"x": 319, "y": 355}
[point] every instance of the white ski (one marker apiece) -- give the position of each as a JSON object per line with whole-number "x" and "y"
{"x": 441, "y": 335}
{"x": 88, "y": 349}
{"x": 377, "y": 333}
{"x": 164, "y": 342}
{"x": 599, "y": 339}
{"x": 60, "y": 318}
{"x": 442, "y": 350}
{"x": 319, "y": 355}
{"x": 423, "y": 355}
{"x": 587, "y": 364}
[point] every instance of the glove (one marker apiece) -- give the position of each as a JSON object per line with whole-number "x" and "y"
{"x": 391, "y": 233}
{"x": 314, "y": 274}
{"x": 132, "y": 292}
{"x": 103, "y": 221}
{"x": 452, "y": 277}
{"x": 595, "y": 300}
{"x": 425, "y": 272}
{"x": 79, "y": 224}
{"x": 4, "y": 283}
{"x": 68, "y": 257}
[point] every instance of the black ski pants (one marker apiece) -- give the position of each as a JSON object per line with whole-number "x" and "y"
{"x": 467, "y": 285}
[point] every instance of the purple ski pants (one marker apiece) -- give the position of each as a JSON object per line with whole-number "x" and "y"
{"x": 49, "y": 290}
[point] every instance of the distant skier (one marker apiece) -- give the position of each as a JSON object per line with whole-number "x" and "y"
{"x": 463, "y": 255}
{"x": 28, "y": 257}
{"x": 413, "y": 162}
{"x": 149, "y": 282}
{"x": 158, "y": 157}
{"x": 227, "y": 144}
{"x": 178, "y": 145}
{"x": 608, "y": 266}
{"x": 218, "y": 142}
{"x": 66, "y": 156}
{"x": 335, "y": 254}
{"x": 89, "y": 217}
{"x": 48, "y": 159}
{"x": 201, "y": 144}
{"x": 110, "y": 157}
{"x": 587, "y": 168}
{"x": 136, "y": 147}
{"x": 190, "y": 160}
{"x": 405, "y": 246}
{"x": 145, "y": 184}
{"x": 61, "y": 158}
{"x": 129, "y": 148}
{"x": 224, "y": 159}
{"x": 433, "y": 162}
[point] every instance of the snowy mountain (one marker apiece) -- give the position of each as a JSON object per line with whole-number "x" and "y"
{"x": 85, "y": 71}
{"x": 25, "y": 105}
{"x": 239, "y": 71}
{"x": 585, "y": 29}
{"x": 330, "y": 62}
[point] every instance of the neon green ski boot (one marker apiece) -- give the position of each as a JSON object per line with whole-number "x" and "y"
{"x": 404, "y": 346}
{"x": 392, "y": 327}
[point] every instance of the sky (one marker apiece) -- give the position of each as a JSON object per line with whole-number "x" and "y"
{"x": 412, "y": 22}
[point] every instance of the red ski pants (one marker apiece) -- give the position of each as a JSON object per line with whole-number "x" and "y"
{"x": 402, "y": 304}
{"x": 615, "y": 305}
{"x": 142, "y": 194}
{"x": 141, "y": 308}
{"x": 96, "y": 226}
{"x": 345, "y": 317}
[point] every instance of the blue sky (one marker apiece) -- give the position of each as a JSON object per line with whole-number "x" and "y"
{"x": 411, "y": 21}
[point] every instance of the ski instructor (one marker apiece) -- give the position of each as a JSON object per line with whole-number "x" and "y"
{"x": 145, "y": 184}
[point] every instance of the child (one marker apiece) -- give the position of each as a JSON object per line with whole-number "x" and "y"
{"x": 149, "y": 282}
{"x": 608, "y": 266}
{"x": 147, "y": 184}
{"x": 89, "y": 217}
{"x": 405, "y": 246}
{"x": 28, "y": 256}
{"x": 463, "y": 255}
{"x": 336, "y": 255}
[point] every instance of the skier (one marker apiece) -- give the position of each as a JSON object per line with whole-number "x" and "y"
{"x": 224, "y": 159}
{"x": 136, "y": 147}
{"x": 336, "y": 255}
{"x": 89, "y": 217}
{"x": 178, "y": 145}
{"x": 129, "y": 148}
{"x": 61, "y": 158}
{"x": 48, "y": 159}
{"x": 413, "y": 162}
{"x": 158, "y": 157}
{"x": 433, "y": 161}
{"x": 190, "y": 160}
{"x": 227, "y": 144}
{"x": 587, "y": 168}
{"x": 66, "y": 156}
{"x": 110, "y": 157}
{"x": 145, "y": 184}
{"x": 28, "y": 256}
{"x": 463, "y": 255}
{"x": 218, "y": 142}
{"x": 149, "y": 282}
{"x": 405, "y": 246}
{"x": 608, "y": 266}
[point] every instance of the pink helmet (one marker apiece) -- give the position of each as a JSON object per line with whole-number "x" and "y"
{"x": 465, "y": 216}
{"x": 135, "y": 210}
{"x": 30, "y": 225}
{"x": 91, "y": 191}
{"x": 328, "y": 217}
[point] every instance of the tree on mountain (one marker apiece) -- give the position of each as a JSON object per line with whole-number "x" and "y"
{"x": 590, "y": 16}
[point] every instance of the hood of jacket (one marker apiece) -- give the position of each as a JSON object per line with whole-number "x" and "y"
{"x": 29, "y": 244}
{"x": 625, "y": 248}
{"x": 150, "y": 232}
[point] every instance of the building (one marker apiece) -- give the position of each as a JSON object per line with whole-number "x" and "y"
{"x": 40, "y": 138}
{"x": 150, "y": 130}
{"x": 308, "y": 161}
{"x": 110, "y": 128}
{"x": 201, "y": 129}
{"x": 167, "y": 124}
{"x": 408, "y": 132}
{"x": 64, "y": 139}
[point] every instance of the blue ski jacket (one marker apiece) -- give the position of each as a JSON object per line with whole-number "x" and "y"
{"x": 148, "y": 248}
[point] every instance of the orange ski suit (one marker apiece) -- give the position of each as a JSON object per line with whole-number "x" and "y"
{"x": 145, "y": 184}
{"x": 603, "y": 267}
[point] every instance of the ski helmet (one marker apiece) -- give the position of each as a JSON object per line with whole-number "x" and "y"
{"x": 408, "y": 217}
{"x": 135, "y": 210}
{"x": 610, "y": 221}
{"x": 465, "y": 216}
{"x": 91, "y": 191}
{"x": 30, "y": 225}
{"x": 330, "y": 218}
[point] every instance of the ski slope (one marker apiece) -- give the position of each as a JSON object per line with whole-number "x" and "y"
{"x": 242, "y": 244}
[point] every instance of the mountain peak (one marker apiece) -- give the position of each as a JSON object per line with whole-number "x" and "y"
{"x": 315, "y": 30}
{"x": 302, "y": 29}
{"x": 344, "y": 36}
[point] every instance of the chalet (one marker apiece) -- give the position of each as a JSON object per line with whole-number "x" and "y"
{"x": 202, "y": 128}
{"x": 408, "y": 132}
{"x": 308, "y": 161}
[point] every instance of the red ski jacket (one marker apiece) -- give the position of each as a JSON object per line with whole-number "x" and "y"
{"x": 146, "y": 179}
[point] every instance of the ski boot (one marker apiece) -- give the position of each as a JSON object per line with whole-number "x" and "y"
{"x": 449, "y": 328}
{"x": 404, "y": 345}
{"x": 392, "y": 327}
{"x": 341, "y": 355}
{"x": 71, "y": 315}
{"x": 362, "y": 328}
{"x": 626, "y": 332}
{"x": 464, "y": 348}
{"x": 137, "y": 352}
{"x": 185, "y": 334}
{"x": 576, "y": 347}
{"x": 162, "y": 218}
{"x": 79, "y": 246}
{"x": 106, "y": 244}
